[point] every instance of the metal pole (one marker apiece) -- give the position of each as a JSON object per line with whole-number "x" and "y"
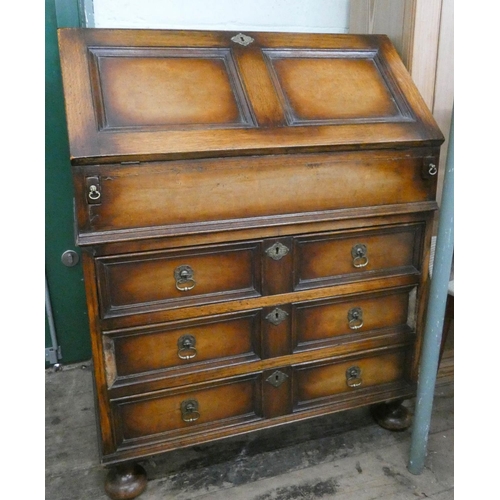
{"x": 435, "y": 319}
{"x": 52, "y": 354}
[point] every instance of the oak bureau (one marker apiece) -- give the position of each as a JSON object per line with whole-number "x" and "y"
{"x": 255, "y": 213}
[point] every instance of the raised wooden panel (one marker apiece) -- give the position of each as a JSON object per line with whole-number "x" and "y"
{"x": 187, "y": 94}
{"x": 140, "y": 88}
{"x": 329, "y": 87}
{"x": 332, "y": 258}
{"x": 147, "y": 281}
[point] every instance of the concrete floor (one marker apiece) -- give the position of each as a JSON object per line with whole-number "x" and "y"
{"x": 343, "y": 457}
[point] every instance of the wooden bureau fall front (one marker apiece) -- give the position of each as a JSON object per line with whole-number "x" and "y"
{"x": 255, "y": 213}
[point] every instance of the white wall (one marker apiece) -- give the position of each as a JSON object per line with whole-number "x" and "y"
{"x": 314, "y": 16}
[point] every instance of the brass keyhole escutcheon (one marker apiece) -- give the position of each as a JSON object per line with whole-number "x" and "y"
{"x": 277, "y": 251}
{"x": 277, "y": 316}
{"x": 184, "y": 278}
{"x": 190, "y": 411}
{"x": 277, "y": 378}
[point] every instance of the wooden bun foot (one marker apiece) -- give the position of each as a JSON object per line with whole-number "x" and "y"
{"x": 125, "y": 481}
{"x": 392, "y": 416}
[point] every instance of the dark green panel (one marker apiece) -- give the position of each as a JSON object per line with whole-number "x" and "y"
{"x": 65, "y": 283}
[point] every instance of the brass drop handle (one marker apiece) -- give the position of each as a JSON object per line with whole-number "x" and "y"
{"x": 353, "y": 376}
{"x": 189, "y": 410}
{"x": 184, "y": 278}
{"x": 359, "y": 254}
{"x": 355, "y": 318}
{"x": 186, "y": 347}
{"x": 94, "y": 193}
{"x": 432, "y": 169}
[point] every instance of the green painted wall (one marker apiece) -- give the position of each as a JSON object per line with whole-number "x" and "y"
{"x": 65, "y": 284}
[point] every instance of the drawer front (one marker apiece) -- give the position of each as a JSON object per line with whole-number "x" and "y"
{"x": 180, "y": 193}
{"x": 320, "y": 381}
{"x": 190, "y": 345}
{"x": 327, "y": 320}
{"x": 333, "y": 258}
{"x": 160, "y": 280}
{"x": 196, "y": 410}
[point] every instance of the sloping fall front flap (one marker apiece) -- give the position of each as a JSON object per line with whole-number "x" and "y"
{"x": 136, "y": 95}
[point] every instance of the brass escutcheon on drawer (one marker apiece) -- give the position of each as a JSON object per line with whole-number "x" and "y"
{"x": 277, "y": 251}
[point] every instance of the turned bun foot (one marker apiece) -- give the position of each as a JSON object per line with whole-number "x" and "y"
{"x": 392, "y": 416}
{"x": 125, "y": 482}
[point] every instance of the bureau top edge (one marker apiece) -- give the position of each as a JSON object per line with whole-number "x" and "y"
{"x": 163, "y": 94}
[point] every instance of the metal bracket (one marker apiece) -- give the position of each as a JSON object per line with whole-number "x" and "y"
{"x": 52, "y": 355}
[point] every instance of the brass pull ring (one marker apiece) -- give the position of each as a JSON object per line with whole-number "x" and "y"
{"x": 359, "y": 254}
{"x": 432, "y": 169}
{"x": 189, "y": 411}
{"x": 94, "y": 194}
{"x": 355, "y": 318}
{"x": 353, "y": 376}
{"x": 184, "y": 278}
{"x": 186, "y": 347}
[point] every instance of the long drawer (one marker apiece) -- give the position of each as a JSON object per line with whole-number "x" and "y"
{"x": 175, "y": 278}
{"x": 171, "y": 349}
{"x": 197, "y": 192}
{"x": 174, "y": 414}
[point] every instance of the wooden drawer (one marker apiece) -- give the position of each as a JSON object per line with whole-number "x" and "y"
{"x": 324, "y": 322}
{"x": 135, "y": 283}
{"x": 195, "y": 193}
{"x": 327, "y": 259}
{"x": 168, "y": 414}
{"x": 319, "y": 382}
{"x": 185, "y": 346}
